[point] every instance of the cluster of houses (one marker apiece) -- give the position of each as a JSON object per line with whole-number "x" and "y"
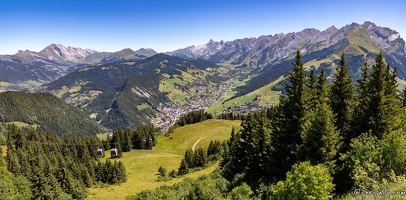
{"x": 203, "y": 98}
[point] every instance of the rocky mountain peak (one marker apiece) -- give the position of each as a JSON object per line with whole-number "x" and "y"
{"x": 331, "y": 29}
{"x": 59, "y": 52}
{"x": 146, "y": 52}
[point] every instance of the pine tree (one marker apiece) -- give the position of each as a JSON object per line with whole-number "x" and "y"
{"x": 251, "y": 152}
{"x": 183, "y": 168}
{"x": 119, "y": 151}
{"x": 190, "y": 158}
{"x": 342, "y": 102}
{"x": 377, "y": 96}
{"x": 226, "y": 154}
{"x": 403, "y": 98}
{"x": 200, "y": 157}
{"x": 122, "y": 174}
{"x": 321, "y": 141}
{"x": 289, "y": 121}
{"x": 311, "y": 85}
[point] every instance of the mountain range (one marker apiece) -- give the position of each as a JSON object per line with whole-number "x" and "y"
{"x": 129, "y": 88}
{"x": 27, "y": 69}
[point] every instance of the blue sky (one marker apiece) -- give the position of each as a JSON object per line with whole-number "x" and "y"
{"x": 112, "y": 25}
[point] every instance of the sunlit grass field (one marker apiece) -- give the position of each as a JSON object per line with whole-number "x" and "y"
{"x": 142, "y": 165}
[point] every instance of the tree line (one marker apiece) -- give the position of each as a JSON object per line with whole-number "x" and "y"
{"x": 193, "y": 117}
{"x": 345, "y": 127}
{"x": 144, "y": 137}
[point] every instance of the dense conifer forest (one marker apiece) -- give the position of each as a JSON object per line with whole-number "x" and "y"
{"x": 322, "y": 141}
{"x": 47, "y": 113}
{"x": 45, "y": 166}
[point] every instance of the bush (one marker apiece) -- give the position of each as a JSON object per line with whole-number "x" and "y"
{"x": 241, "y": 192}
{"x": 173, "y": 173}
{"x": 305, "y": 182}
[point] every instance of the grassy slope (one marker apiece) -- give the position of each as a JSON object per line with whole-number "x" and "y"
{"x": 142, "y": 165}
{"x": 267, "y": 96}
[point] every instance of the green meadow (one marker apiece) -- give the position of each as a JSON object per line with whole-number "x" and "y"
{"x": 142, "y": 165}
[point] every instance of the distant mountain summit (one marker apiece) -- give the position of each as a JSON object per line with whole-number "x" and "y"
{"x": 146, "y": 52}
{"x": 27, "y": 69}
{"x": 58, "y": 52}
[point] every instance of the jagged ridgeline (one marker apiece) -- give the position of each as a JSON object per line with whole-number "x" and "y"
{"x": 47, "y": 113}
{"x": 129, "y": 94}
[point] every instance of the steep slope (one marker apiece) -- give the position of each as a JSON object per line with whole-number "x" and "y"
{"x": 272, "y": 49}
{"x": 268, "y": 57}
{"x": 58, "y": 52}
{"x": 129, "y": 93}
{"x": 47, "y": 113}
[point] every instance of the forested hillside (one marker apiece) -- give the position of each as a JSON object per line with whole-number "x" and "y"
{"x": 130, "y": 94}
{"x": 45, "y": 166}
{"x": 47, "y": 113}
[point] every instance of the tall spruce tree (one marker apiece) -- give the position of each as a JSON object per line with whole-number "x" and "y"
{"x": 311, "y": 84}
{"x": 289, "y": 121}
{"x": 342, "y": 102}
{"x": 251, "y": 152}
{"x": 321, "y": 140}
{"x": 403, "y": 98}
{"x": 377, "y": 104}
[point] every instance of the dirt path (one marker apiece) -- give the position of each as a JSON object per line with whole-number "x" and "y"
{"x": 194, "y": 145}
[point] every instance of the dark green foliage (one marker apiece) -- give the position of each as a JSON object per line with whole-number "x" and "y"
{"x": 376, "y": 94}
{"x": 289, "y": 121}
{"x": 402, "y": 98}
{"x": 215, "y": 150}
{"x": 231, "y": 116}
{"x": 144, "y": 137}
{"x": 126, "y": 140}
{"x": 173, "y": 173}
{"x": 12, "y": 187}
{"x": 162, "y": 171}
{"x": 190, "y": 158}
{"x": 250, "y": 153}
{"x": 193, "y": 117}
{"x": 342, "y": 102}
{"x": 311, "y": 84}
{"x": 321, "y": 140}
{"x": 200, "y": 157}
{"x": 183, "y": 168}
{"x": 111, "y": 173}
{"x": 55, "y": 167}
{"x": 48, "y": 112}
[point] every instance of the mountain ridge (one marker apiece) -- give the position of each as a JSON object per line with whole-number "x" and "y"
{"x": 27, "y": 69}
{"x": 253, "y": 46}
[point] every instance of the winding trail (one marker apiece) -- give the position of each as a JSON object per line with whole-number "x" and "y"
{"x": 194, "y": 145}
